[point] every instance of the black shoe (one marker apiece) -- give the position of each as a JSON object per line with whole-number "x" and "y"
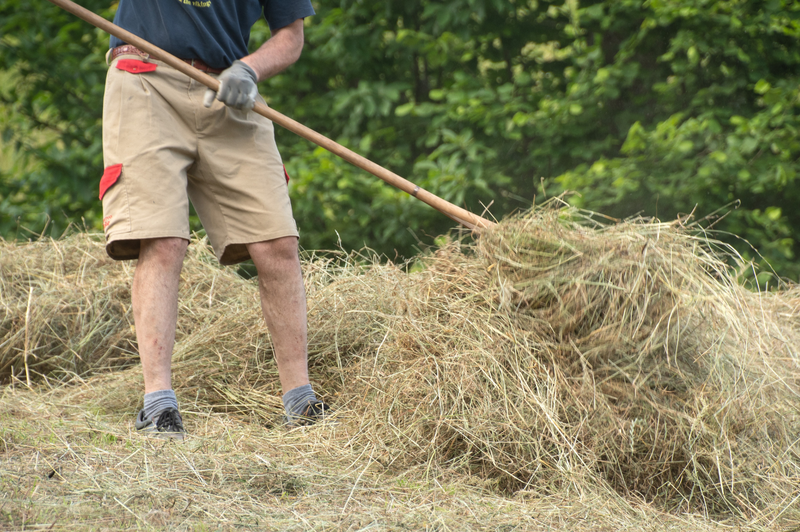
{"x": 167, "y": 425}
{"x": 315, "y": 412}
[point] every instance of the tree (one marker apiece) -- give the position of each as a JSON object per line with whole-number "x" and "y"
{"x": 600, "y": 97}
{"x": 52, "y": 105}
{"x": 723, "y": 85}
{"x": 657, "y": 107}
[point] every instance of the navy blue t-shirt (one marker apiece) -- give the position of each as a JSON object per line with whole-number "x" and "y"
{"x": 214, "y": 31}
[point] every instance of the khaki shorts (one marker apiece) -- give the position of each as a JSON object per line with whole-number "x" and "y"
{"x": 162, "y": 148}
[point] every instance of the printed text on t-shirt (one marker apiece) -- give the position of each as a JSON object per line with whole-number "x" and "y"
{"x": 196, "y": 3}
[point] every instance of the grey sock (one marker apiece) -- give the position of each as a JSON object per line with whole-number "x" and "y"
{"x": 157, "y": 402}
{"x": 296, "y": 400}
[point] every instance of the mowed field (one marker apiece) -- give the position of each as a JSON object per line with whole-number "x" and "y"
{"x": 553, "y": 374}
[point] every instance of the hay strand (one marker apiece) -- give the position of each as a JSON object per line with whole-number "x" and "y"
{"x": 27, "y": 336}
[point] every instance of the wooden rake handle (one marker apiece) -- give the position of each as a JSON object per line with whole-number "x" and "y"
{"x": 462, "y": 216}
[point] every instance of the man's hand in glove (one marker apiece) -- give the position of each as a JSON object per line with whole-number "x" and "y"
{"x": 237, "y": 87}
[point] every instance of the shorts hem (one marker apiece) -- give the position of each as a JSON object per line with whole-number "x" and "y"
{"x": 228, "y": 257}
{"x": 125, "y": 246}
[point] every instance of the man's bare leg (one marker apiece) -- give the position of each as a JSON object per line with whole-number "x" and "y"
{"x": 155, "y": 307}
{"x": 283, "y": 302}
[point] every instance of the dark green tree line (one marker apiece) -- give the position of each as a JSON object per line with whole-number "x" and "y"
{"x": 656, "y": 107}
{"x": 51, "y": 103}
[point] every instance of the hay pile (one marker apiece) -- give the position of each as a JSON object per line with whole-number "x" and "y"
{"x": 64, "y": 309}
{"x": 554, "y": 351}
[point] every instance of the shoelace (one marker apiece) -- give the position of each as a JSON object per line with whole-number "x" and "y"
{"x": 169, "y": 421}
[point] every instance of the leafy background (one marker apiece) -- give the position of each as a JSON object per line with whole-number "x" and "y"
{"x": 657, "y": 108}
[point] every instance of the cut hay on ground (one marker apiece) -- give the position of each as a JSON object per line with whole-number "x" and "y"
{"x": 554, "y": 355}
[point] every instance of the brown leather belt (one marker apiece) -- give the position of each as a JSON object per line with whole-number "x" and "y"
{"x": 130, "y": 49}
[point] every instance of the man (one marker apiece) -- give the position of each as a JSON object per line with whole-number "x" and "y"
{"x": 167, "y": 139}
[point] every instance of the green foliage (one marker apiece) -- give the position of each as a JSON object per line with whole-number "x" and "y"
{"x": 51, "y": 102}
{"x": 750, "y": 164}
{"x": 729, "y": 83}
{"x": 659, "y": 107}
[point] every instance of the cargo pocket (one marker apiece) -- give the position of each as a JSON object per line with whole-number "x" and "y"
{"x": 134, "y": 66}
{"x": 110, "y": 176}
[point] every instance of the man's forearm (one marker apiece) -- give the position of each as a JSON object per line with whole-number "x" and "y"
{"x": 280, "y": 51}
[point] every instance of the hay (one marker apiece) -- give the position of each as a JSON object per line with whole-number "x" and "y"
{"x": 64, "y": 308}
{"x": 552, "y": 351}
{"x": 64, "y": 468}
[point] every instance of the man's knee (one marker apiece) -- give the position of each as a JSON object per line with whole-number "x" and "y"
{"x": 165, "y": 251}
{"x": 280, "y": 249}
{"x": 275, "y": 257}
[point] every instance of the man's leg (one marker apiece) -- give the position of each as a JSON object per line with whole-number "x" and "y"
{"x": 155, "y": 313}
{"x": 283, "y": 302}
{"x": 155, "y": 307}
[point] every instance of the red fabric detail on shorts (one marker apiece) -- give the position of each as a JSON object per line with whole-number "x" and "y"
{"x": 285, "y": 173}
{"x": 110, "y": 176}
{"x": 135, "y": 66}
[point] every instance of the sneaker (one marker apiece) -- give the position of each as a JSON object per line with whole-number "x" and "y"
{"x": 315, "y": 412}
{"x": 167, "y": 425}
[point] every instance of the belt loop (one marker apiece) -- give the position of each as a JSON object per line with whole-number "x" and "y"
{"x": 108, "y": 55}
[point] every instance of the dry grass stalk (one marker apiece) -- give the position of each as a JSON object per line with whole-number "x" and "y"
{"x": 27, "y": 337}
{"x": 553, "y": 351}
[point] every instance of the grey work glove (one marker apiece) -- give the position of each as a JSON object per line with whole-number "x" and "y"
{"x": 237, "y": 87}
